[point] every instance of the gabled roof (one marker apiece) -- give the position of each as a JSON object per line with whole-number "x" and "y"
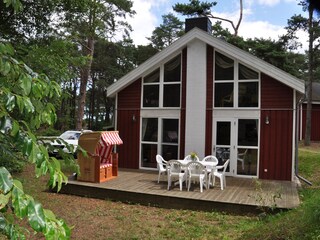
{"x": 316, "y": 91}
{"x": 218, "y": 44}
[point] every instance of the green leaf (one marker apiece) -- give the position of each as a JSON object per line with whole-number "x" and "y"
{"x": 6, "y": 68}
{"x": 6, "y": 181}
{"x": 36, "y": 216}
{"x": 20, "y": 200}
{"x": 3, "y": 223}
{"x": 25, "y": 83}
{"x": 10, "y": 104}
{"x": 4, "y": 199}
{"x": 27, "y": 146}
{"x": 56, "y": 228}
{"x": 16, "y": 4}
{"x": 28, "y": 105}
{"x": 20, "y": 103}
{"x": 15, "y": 128}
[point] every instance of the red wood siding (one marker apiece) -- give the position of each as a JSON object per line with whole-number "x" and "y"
{"x": 315, "y": 122}
{"x": 183, "y": 103}
{"x": 129, "y": 106}
{"x": 276, "y": 137}
{"x": 209, "y": 99}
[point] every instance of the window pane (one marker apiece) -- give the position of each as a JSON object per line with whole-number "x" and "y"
{"x": 169, "y": 152}
{"x": 223, "y": 67}
{"x": 172, "y": 70}
{"x": 222, "y": 154}
{"x": 170, "y": 130}
{"x": 151, "y": 95}
{"x": 248, "y": 94}
{"x": 149, "y": 152}
{"x": 171, "y": 95}
{"x": 247, "y": 73}
{"x": 223, "y": 95}
{"x": 152, "y": 77}
{"x": 247, "y": 162}
{"x": 248, "y": 132}
{"x": 223, "y": 133}
{"x": 150, "y": 129}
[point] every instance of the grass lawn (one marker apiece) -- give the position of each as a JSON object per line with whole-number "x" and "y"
{"x": 103, "y": 219}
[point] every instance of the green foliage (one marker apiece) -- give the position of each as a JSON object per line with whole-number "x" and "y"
{"x": 302, "y": 222}
{"x": 194, "y": 7}
{"x": 170, "y": 30}
{"x": 266, "y": 202}
{"x": 24, "y": 206}
{"x": 25, "y": 98}
{"x": 15, "y": 164}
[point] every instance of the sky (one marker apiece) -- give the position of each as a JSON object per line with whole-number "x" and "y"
{"x": 261, "y": 18}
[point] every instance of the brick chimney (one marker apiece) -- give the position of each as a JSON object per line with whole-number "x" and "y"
{"x": 203, "y": 23}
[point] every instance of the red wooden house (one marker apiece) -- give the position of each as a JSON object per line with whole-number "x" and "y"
{"x": 204, "y": 95}
{"x": 315, "y": 115}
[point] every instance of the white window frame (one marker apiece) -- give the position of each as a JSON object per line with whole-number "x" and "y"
{"x": 236, "y": 82}
{"x": 161, "y": 84}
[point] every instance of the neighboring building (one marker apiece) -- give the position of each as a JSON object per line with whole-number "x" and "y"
{"x": 204, "y": 95}
{"x": 315, "y": 114}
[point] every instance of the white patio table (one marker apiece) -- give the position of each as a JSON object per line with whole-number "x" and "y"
{"x": 210, "y": 166}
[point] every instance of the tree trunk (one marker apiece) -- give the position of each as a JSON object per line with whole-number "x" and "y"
{"x": 92, "y": 104}
{"x": 307, "y": 136}
{"x": 84, "y": 77}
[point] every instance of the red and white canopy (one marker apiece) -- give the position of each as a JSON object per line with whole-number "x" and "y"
{"x": 106, "y": 143}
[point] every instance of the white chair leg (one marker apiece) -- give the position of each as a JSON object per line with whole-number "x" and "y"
{"x": 201, "y": 185}
{"x": 221, "y": 183}
{"x": 159, "y": 177}
{"x": 213, "y": 180}
{"x": 169, "y": 183}
{"x": 180, "y": 183}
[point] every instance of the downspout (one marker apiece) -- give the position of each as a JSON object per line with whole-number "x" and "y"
{"x": 297, "y": 141}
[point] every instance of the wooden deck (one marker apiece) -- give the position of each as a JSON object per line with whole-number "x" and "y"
{"x": 242, "y": 195}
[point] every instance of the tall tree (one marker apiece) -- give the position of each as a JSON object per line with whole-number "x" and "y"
{"x": 106, "y": 68}
{"x": 195, "y": 7}
{"x": 314, "y": 33}
{"x": 311, "y": 25}
{"x": 167, "y": 32}
{"x": 86, "y": 21}
{"x": 32, "y": 21}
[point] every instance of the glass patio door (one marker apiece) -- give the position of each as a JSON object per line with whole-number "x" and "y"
{"x": 223, "y": 141}
{"x": 237, "y": 140}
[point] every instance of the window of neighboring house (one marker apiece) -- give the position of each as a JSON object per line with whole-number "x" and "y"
{"x": 235, "y": 84}
{"x": 161, "y": 88}
{"x": 159, "y": 135}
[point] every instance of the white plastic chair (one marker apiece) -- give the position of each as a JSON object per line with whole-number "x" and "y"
{"x": 241, "y": 157}
{"x": 188, "y": 157}
{"x": 221, "y": 175}
{"x": 215, "y": 162}
{"x": 198, "y": 173}
{"x": 175, "y": 172}
{"x": 161, "y": 166}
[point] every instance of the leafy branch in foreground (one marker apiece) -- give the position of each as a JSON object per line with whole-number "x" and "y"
{"x": 25, "y": 105}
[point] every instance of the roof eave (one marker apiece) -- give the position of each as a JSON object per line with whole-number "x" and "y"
{"x": 228, "y": 48}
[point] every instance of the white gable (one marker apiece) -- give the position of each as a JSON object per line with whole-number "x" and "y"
{"x": 218, "y": 44}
